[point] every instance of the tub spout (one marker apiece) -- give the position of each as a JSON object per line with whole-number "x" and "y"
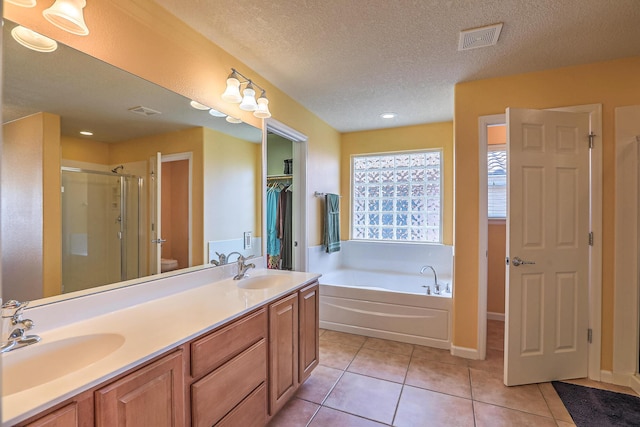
{"x": 436, "y": 285}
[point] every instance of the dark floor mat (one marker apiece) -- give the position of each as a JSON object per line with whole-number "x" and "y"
{"x": 594, "y": 407}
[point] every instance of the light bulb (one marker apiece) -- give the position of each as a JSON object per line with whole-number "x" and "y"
{"x": 23, "y": 3}
{"x": 249, "y": 101}
{"x": 232, "y": 92}
{"x": 262, "y": 112}
{"x": 32, "y": 40}
{"x": 68, "y": 15}
{"x": 233, "y": 120}
{"x": 216, "y": 113}
{"x": 198, "y": 106}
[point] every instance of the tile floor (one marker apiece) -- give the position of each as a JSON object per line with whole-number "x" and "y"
{"x": 372, "y": 382}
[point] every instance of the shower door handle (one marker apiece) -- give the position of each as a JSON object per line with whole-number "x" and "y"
{"x": 161, "y": 241}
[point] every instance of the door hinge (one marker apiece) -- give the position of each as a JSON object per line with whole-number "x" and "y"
{"x": 591, "y": 238}
{"x": 589, "y": 335}
{"x": 591, "y": 138}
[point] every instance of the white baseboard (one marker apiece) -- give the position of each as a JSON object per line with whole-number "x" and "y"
{"x": 467, "y": 353}
{"x": 495, "y": 316}
{"x": 626, "y": 380}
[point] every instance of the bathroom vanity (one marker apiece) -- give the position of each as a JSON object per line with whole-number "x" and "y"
{"x": 260, "y": 344}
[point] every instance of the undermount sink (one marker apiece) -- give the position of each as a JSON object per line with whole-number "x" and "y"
{"x": 263, "y": 281}
{"x": 46, "y": 361}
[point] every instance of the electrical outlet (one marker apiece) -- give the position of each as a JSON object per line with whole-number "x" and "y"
{"x": 247, "y": 240}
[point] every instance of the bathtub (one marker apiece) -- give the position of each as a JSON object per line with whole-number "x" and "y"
{"x": 386, "y": 305}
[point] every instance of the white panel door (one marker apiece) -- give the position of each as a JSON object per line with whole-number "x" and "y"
{"x": 547, "y": 280}
{"x": 155, "y": 249}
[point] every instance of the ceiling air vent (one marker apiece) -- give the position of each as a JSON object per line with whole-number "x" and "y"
{"x": 144, "y": 111}
{"x": 479, "y": 37}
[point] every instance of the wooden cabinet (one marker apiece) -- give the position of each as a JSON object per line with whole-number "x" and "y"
{"x": 283, "y": 351}
{"x": 293, "y": 343}
{"x": 309, "y": 301}
{"x": 76, "y": 413}
{"x": 236, "y": 375}
{"x": 150, "y": 396}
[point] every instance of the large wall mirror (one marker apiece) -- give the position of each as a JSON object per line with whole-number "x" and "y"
{"x": 159, "y": 186}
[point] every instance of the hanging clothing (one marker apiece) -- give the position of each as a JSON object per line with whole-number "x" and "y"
{"x": 331, "y": 235}
{"x": 273, "y": 242}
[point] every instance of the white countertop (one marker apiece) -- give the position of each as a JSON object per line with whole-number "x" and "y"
{"x": 149, "y": 329}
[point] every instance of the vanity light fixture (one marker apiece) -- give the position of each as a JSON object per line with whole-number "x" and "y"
{"x": 388, "y": 115}
{"x": 32, "y": 40}
{"x": 86, "y": 133}
{"x": 23, "y": 3}
{"x": 247, "y": 102}
{"x": 68, "y": 15}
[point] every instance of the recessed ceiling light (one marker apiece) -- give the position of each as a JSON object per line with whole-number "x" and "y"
{"x": 216, "y": 113}
{"x": 198, "y": 106}
{"x": 32, "y": 40}
{"x": 86, "y": 133}
{"x": 388, "y": 115}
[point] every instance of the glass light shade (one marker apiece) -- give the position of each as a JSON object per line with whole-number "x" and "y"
{"x": 232, "y": 92}
{"x": 233, "y": 120}
{"x": 68, "y": 15}
{"x": 216, "y": 113}
{"x": 32, "y": 40}
{"x": 262, "y": 112}
{"x": 23, "y": 3}
{"x": 249, "y": 101}
{"x": 198, "y": 106}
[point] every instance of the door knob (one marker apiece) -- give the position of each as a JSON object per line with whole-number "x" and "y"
{"x": 161, "y": 241}
{"x": 517, "y": 261}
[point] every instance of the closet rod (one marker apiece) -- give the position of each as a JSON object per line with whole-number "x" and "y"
{"x": 279, "y": 177}
{"x": 319, "y": 194}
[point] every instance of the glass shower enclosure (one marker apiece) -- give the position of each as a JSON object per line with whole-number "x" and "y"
{"x": 100, "y": 228}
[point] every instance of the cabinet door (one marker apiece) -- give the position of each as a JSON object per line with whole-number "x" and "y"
{"x": 309, "y": 330}
{"x": 151, "y": 396}
{"x": 78, "y": 413}
{"x": 283, "y": 340}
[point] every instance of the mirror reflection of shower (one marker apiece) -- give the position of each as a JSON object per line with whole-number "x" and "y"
{"x": 101, "y": 227}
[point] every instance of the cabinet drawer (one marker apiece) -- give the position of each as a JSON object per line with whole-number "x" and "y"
{"x": 219, "y": 392}
{"x": 212, "y": 351}
{"x": 252, "y": 412}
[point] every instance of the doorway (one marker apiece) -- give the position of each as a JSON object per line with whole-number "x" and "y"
{"x": 595, "y": 215}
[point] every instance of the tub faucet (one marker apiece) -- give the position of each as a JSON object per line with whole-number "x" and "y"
{"x": 14, "y": 326}
{"x": 242, "y": 267}
{"x": 436, "y": 285}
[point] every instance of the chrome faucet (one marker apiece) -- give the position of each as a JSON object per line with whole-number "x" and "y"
{"x": 242, "y": 267}
{"x": 222, "y": 259}
{"x": 436, "y": 285}
{"x": 14, "y": 326}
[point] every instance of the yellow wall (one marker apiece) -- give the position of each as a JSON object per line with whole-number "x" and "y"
{"x": 433, "y": 135}
{"x": 84, "y": 150}
{"x": 232, "y": 185}
{"x": 141, "y": 37}
{"x": 612, "y": 84}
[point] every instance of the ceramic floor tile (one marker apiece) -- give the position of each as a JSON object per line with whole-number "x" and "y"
{"x": 336, "y": 355}
{"x": 440, "y": 377}
{"x": 494, "y": 362}
{"x": 344, "y": 338}
{"x": 496, "y": 416}
{"x": 319, "y": 384}
{"x": 495, "y": 335}
{"x": 321, "y": 331}
{"x": 554, "y": 402}
{"x": 389, "y": 346}
{"x": 380, "y": 364}
{"x": 327, "y": 417}
{"x": 438, "y": 354}
{"x": 295, "y": 413}
{"x": 420, "y": 407}
{"x": 565, "y": 424}
{"x": 489, "y": 388}
{"x": 365, "y": 396}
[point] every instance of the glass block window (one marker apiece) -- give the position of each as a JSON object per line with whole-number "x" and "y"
{"x": 497, "y": 181}
{"x": 397, "y": 196}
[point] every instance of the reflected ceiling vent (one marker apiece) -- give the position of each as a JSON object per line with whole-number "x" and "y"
{"x": 144, "y": 111}
{"x": 479, "y": 37}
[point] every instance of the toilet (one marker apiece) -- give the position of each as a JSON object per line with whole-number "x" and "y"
{"x": 168, "y": 264}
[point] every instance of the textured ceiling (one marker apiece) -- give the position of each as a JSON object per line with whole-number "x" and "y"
{"x": 350, "y": 60}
